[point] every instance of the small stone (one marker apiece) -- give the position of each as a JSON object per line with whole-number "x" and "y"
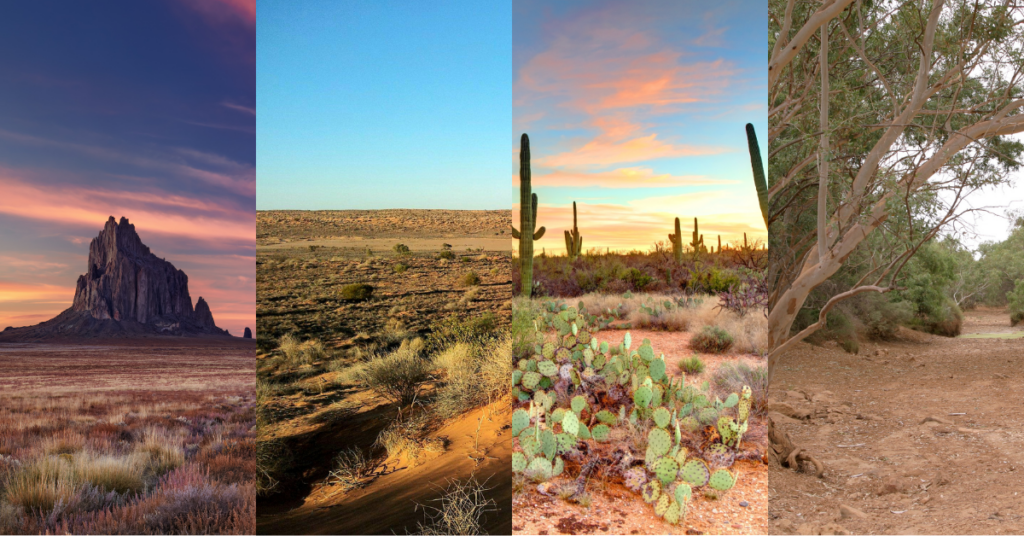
{"x": 744, "y": 504}
{"x": 849, "y": 512}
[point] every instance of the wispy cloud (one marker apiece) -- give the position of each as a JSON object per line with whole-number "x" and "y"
{"x": 628, "y": 177}
{"x": 240, "y": 108}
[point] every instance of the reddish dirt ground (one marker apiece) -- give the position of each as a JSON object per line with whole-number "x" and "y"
{"x": 919, "y": 436}
{"x": 614, "y": 509}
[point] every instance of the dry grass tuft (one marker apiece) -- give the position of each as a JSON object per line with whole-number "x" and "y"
{"x": 463, "y": 510}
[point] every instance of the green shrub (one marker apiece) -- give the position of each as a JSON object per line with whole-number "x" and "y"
{"x": 711, "y": 340}
{"x": 395, "y": 376}
{"x": 881, "y": 316}
{"x": 400, "y": 268}
{"x": 691, "y": 365}
{"x": 1016, "y": 299}
{"x": 401, "y": 249}
{"x": 446, "y": 254}
{"x": 453, "y": 329}
{"x": 637, "y": 278}
{"x": 356, "y": 292}
{"x": 470, "y": 279}
{"x": 850, "y": 345}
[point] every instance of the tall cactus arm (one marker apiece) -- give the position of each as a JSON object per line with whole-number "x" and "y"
{"x": 539, "y": 232}
{"x": 755, "y": 163}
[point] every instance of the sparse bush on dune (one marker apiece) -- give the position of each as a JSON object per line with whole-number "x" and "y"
{"x": 470, "y": 279}
{"x": 302, "y": 353}
{"x": 395, "y": 376}
{"x": 349, "y": 469}
{"x": 463, "y": 510}
{"x": 691, "y": 365}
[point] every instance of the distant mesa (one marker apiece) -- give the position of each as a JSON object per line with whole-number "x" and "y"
{"x": 127, "y": 291}
{"x": 248, "y": 334}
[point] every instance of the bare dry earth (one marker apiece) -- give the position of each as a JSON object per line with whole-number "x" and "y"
{"x": 919, "y": 436}
{"x": 276, "y": 226}
{"x": 615, "y": 509}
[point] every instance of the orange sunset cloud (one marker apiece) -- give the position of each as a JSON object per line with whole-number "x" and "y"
{"x": 630, "y": 177}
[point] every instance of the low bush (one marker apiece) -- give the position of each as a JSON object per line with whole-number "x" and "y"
{"x": 1016, "y": 302}
{"x": 356, "y": 292}
{"x": 470, "y": 279}
{"x": 446, "y": 255}
{"x": 401, "y": 249}
{"x": 400, "y": 268}
{"x": 711, "y": 340}
{"x": 463, "y": 510}
{"x": 691, "y": 365}
{"x": 396, "y": 376}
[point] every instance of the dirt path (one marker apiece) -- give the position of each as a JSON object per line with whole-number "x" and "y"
{"x": 921, "y": 436}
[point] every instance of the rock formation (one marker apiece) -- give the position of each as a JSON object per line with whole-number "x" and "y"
{"x": 248, "y": 334}
{"x": 127, "y": 291}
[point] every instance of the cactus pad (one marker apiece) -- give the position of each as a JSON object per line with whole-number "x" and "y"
{"x": 635, "y": 478}
{"x": 659, "y": 440}
{"x": 683, "y": 493}
{"x": 557, "y": 415}
{"x": 689, "y": 424}
{"x": 707, "y": 416}
{"x": 661, "y": 507}
{"x": 722, "y": 480}
{"x": 548, "y": 350}
{"x": 565, "y": 443}
{"x": 547, "y": 444}
{"x": 518, "y": 462}
{"x": 600, "y": 432}
{"x": 642, "y": 396}
{"x": 607, "y": 417}
{"x": 718, "y": 455}
{"x": 667, "y": 469}
{"x": 559, "y": 466}
{"x": 530, "y": 380}
{"x": 583, "y": 337}
{"x": 539, "y": 469}
{"x": 562, "y": 355}
{"x": 651, "y": 491}
{"x": 646, "y": 352}
{"x": 662, "y": 417}
{"x": 657, "y": 369}
{"x": 695, "y": 473}
{"x": 547, "y": 368}
{"x": 571, "y": 424}
{"x": 520, "y": 421}
{"x": 672, "y": 513}
{"x": 579, "y": 403}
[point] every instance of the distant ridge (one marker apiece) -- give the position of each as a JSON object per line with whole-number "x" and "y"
{"x": 127, "y": 291}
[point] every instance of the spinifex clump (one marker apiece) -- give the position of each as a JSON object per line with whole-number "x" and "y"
{"x": 575, "y": 389}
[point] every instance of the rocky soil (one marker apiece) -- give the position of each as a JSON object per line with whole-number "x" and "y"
{"x": 273, "y": 226}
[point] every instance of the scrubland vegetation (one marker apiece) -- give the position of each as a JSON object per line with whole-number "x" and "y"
{"x": 136, "y": 463}
{"x": 937, "y": 284}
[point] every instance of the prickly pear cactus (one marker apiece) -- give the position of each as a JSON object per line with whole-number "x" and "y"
{"x": 722, "y": 480}
{"x": 695, "y": 473}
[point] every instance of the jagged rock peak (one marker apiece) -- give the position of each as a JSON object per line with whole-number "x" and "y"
{"x": 203, "y": 315}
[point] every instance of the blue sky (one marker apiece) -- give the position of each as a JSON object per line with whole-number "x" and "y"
{"x": 370, "y": 105}
{"x": 123, "y": 108}
{"x": 636, "y": 111}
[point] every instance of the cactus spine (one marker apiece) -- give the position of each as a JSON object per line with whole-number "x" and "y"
{"x": 755, "y": 163}
{"x": 677, "y": 243}
{"x": 573, "y": 240}
{"x": 527, "y": 219}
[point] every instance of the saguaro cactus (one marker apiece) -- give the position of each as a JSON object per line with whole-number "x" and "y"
{"x": 755, "y": 163}
{"x": 573, "y": 240}
{"x": 698, "y": 241}
{"x": 677, "y": 243}
{"x": 527, "y": 219}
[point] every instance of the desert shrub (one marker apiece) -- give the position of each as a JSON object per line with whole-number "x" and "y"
{"x": 455, "y": 329}
{"x": 712, "y": 280}
{"x": 691, "y": 365}
{"x": 851, "y": 346}
{"x": 273, "y": 460}
{"x": 394, "y": 331}
{"x": 636, "y": 278}
{"x": 405, "y": 438}
{"x": 1016, "y": 301}
{"x": 711, "y": 340}
{"x": 356, "y": 292}
{"x": 880, "y": 316}
{"x": 400, "y": 268}
{"x": 446, "y": 255}
{"x": 349, "y": 469}
{"x": 463, "y": 510}
{"x": 396, "y": 376}
{"x": 470, "y": 279}
{"x": 731, "y": 377}
{"x": 302, "y": 353}
{"x": 401, "y": 249}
